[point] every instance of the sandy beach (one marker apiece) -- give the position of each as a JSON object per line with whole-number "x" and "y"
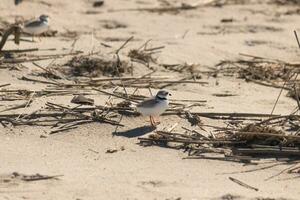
{"x": 98, "y": 162}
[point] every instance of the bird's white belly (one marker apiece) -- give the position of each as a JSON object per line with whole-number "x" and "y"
{"x": 156, "y": 110}
{"x": 36, "y": 30}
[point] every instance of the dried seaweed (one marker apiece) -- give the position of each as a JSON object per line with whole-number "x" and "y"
{"x": 265, "y": 71}
{"x": 268, "y": 72}
{"x": 96, "y": 65}
{"x": 144, "y": 54}
{"x": 190, "y": 68}
{"x": 141, "y": 55}
{"x": 272, "y": 138}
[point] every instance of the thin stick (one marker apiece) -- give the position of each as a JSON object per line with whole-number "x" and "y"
{"x": 123, "y": 45}
{"x": 4, "y": 85}
{"x": 242, "y": 184}
{"x": 63, "y": 129}
{"x": 297, "y": 38}
{"x": 281, "y": 172}
{"x": 23, "y": 105}
{"x": 297, "y": 95}
{"x": 116, "y": 129}
{"x": 254, "y": 170}
{"x": 262, "y": 134}
{"x": 172, "y": 127}
{"x": 28, "y": 103}
{"x": 180, "y": 140}
{"x": 39, "y": 177}
{"x": 115, "y": 95}
{"x": 280, "y": 93}
{"x": 39, "y": 81}
{"x": 46, "y": 70}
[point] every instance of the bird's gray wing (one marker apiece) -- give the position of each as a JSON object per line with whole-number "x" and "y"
{"x": 148, "y": 103}
{"x": 33, "y": 24}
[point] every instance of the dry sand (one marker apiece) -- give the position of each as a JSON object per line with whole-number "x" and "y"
{"x": 137, "y": 172}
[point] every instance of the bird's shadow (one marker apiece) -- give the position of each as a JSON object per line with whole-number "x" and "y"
{"x": 136, "y": 132}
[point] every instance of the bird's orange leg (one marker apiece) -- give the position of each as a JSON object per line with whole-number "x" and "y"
{"x": 156, "y": 121}
{"x": 152, "y": 121}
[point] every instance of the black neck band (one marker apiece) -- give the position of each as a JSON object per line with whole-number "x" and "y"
{"x": 161, "y": 98}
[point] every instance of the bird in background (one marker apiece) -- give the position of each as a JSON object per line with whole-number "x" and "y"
{"x": 37, "y": 26}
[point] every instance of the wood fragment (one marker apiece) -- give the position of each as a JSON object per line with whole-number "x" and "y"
{"x": 38, "y": 177}
{"x": 188, "y": 141}
{"x": 295, "y": 33}
{"x": 267, "y": 152}
{"x": 242, "y": 184}
{"x": 62, "y": 129}
{"x": 15, "y": 29}
{"x": 255, "y": 169}
{"x": 4, "y": 85}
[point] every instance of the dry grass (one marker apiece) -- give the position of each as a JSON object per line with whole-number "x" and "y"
{"x": 96, "y": 65}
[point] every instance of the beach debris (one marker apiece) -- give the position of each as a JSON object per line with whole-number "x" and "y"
{"x": 98, "y": 3}
{"x": 226, "y": 94}
{"x": 260, "y": 70}
{"x": 144, "y": 54}
{"x": 96, "y": 65}
{"x": 273, "y": 137}
{"x": 82, "y": 100}
{"x": 111, "y": 150}
{"x": 12, "y": 30}
{"x": 16, "y": 176}
{"x": 36, "y": 177}
{"x": 243, "y": 184}
{"x": 192, "y": 118}
{"x": 115, "y": 150}
{"x": 112, "y": 24}
{"x": 190, "y": 69}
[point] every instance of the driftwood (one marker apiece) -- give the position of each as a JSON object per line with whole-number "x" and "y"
{"x": 15, "y": 30}
{"x": 33, "y": 177}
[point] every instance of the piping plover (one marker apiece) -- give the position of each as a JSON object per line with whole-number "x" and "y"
{"x": 37, "y": 26}
{"x": 154, "y": 106}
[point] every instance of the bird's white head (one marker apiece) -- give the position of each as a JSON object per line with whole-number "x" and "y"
{"x": 44, "y": 18}
{"x": 162, "y": 94}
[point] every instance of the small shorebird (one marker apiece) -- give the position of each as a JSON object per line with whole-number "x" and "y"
{"x": 154, "y": 106}
{"x": 37, "y": 26}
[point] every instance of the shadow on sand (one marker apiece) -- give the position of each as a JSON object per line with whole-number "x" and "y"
{"x": 136, "y": 132}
